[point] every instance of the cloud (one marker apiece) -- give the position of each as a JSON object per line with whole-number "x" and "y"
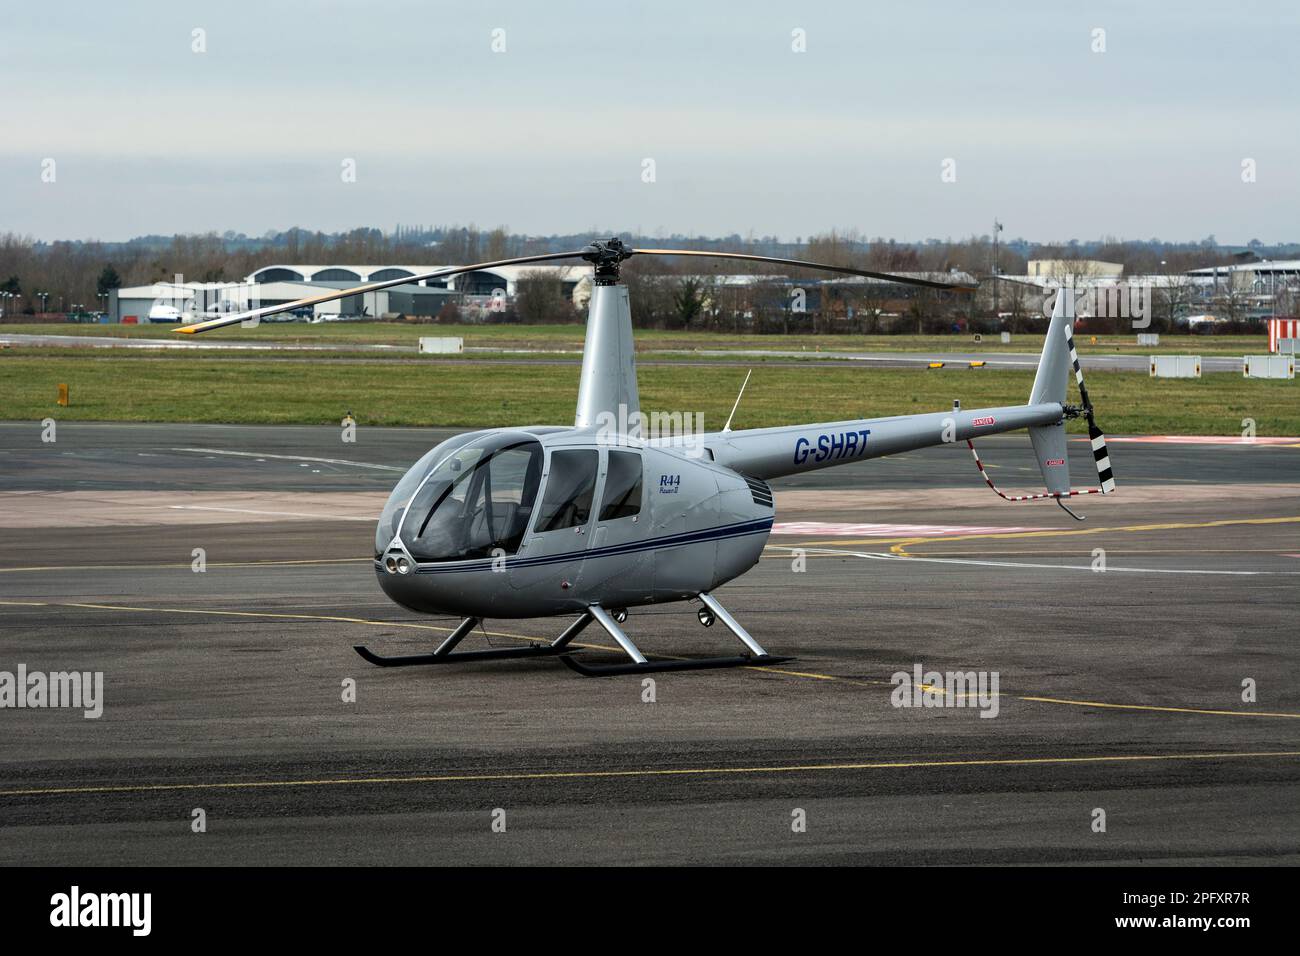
{"x": 549, "y": 136}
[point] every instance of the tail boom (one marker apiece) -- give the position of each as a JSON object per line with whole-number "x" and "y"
{"x": 790, "y": 450}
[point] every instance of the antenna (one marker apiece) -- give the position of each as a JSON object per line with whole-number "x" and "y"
{"x": 727, "y": 427}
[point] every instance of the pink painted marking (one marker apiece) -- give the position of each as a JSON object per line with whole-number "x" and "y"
{"x": 1202, "y": 440}
{"x": 837, "y": 530}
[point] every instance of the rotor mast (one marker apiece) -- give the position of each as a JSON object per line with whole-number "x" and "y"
{"x": 607, "y": 392}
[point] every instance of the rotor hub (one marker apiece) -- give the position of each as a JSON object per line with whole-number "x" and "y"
{"x": 606, "y": 255}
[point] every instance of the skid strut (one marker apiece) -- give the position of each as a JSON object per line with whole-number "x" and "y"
{"x": 639, "y": 664}
{"x": 444, "y": 655}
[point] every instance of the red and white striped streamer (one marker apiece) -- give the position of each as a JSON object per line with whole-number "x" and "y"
{"x": 1047, "y": 494}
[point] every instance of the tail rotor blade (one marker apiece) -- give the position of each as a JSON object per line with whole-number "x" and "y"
{"x": 1100, "y": 454}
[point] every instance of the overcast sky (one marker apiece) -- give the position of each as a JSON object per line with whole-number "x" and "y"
{"x": 1147, "y": 138}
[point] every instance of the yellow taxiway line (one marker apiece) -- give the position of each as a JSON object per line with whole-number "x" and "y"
{"x": 186, "y": 565}
{"x": 646, "y": 772}
{"x": 1039, "y": 699}
{"x": 769, "y": 669}
{"x": 337, "y": 619}
{"x": 905, "y": 543}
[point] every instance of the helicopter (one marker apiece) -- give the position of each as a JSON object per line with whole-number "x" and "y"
{"x": 598, "y": 517}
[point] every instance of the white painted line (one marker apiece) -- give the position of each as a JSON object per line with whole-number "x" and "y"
{"x": 262, "y": 456}
{"x": 281, "y": 514}
{"x": 1110, "y": 568}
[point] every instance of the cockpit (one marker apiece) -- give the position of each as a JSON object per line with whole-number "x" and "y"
{"x": 471, "y": 497}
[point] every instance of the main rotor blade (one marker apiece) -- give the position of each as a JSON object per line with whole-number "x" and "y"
{"x": 890, "y": 277}
{"x": 226, "y": 320}
{"x": 597, "y": 253}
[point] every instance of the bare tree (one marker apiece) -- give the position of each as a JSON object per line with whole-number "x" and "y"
{"x": 539, "y": 298}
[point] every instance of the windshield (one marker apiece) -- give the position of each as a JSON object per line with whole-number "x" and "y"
{"x": 476, "y": 502}
{"x": 401, "y": 496}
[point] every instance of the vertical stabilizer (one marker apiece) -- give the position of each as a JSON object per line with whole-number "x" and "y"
{"x": 1054, "y": 364}
{"x": 1058, "y": 362}
{"x": 1049, "y": 386}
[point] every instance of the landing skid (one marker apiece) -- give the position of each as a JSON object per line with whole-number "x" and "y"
{"x": 559, "y": 647}
{"x": 496, "y": 653}
{"x": 654, "y": 667}
{"x": 444, "y": 654}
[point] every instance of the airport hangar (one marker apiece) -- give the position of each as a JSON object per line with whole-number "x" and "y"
{"x": 278, "y": 284}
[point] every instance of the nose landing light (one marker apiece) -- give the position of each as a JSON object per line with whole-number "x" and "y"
{"x": 397, "y": 564}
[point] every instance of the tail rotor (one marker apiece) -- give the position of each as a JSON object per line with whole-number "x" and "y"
{"x": 1049, "y": 440}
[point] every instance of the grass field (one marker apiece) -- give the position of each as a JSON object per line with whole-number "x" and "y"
{"x": 144, "y": 387}
{"x": 569, "y": 338}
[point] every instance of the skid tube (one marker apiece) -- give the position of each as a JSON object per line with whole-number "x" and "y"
{"x": 444, "y": 654}
{"x": 654, "y": 667}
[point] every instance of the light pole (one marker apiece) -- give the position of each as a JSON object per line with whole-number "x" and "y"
{"x": 997, "y": 228}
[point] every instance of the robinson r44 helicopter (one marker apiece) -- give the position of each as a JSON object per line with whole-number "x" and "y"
{"x": 595, "y": 518}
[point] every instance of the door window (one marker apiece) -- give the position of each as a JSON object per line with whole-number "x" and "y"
{"x": 570, "y": 487}
{"x": 622, "y": 495}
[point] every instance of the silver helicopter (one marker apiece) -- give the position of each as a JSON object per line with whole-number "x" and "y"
{"x": 595, "y": 518}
